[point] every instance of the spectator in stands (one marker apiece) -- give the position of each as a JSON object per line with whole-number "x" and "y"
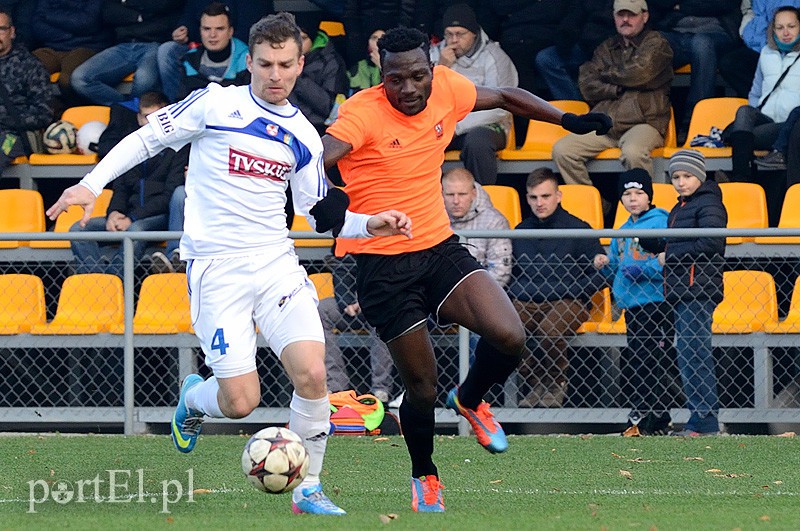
{"x": 552, "y": 284}
{"x": 220, "y": 58}
{"x": 362, "y": 17}
{"x": 343, "y": 312}
{"x": 470, "y": 208}
{"x": 629, "y": 79}
{"x": 638, "y": 286}
{"x": 25, "y": 95}
{"x": 21, "y": 12}
{"x": 67, "y": 33}
{"x": 138, "y": 29}
{"x": 775, "y": 92}
{"x": 367, "y": 72}
{"x": 123, "y": 120}
{"x": 139, "y": 203}
{"x": 698, "y": 31}
{"x": 324, "y": 75}
{"x": 169, "y": 261}
{"x": 693, "y": 284}
{"x": 242, "y": 15}
{"x": 467, "y": 49}
{"x": 738, "y": 66}
{"x": 585, "y": 26}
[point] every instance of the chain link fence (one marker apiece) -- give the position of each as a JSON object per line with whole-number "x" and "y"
{"x": 70, "y": 354}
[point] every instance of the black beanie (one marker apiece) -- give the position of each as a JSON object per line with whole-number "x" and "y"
{"x": 308, "y": 22}
{"x": 635, "y": 178}
{"x": 461, "y": 15}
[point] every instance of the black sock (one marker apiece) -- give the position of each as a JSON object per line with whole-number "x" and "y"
{"x": 490, "y": 367}
{"x": 418, "y": 432}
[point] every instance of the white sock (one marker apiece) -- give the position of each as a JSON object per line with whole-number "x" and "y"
{"x": 203, "y": 397}
{"x": 310, "y": 419}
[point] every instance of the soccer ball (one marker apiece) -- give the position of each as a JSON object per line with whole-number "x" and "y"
{"x": 89, "y": 133}
{"x": 275, "y": 460}
{"x": 60, "y": 137}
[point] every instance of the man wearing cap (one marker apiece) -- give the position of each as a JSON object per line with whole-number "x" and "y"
{"x": 628, "y": 78}
{"x": 467, "y": 49}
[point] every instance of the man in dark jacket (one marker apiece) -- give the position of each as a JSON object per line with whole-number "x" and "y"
{"x": 24, "y": 97}
{"x": 138, "y": 29}
{"x": 140, "y": 202}
{"x": 552, "y": 284}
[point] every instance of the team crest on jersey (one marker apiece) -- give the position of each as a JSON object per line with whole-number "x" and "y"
{"x": 439, "y": 130}
{"x": 244, "y": 164}
{"x": 272, "y": 129}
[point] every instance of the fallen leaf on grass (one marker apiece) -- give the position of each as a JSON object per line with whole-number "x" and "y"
{"x": 640, "y": 460}
{"x": 387, "y": 518}
{"x": 693, "y": 459}
{"x": 380, "y": 439}
{"x": 779, "y": 482}
{"x": 764, "y": 518}
{"x": 170, "y": 520}
{"x": 786, "y": 434}
{"x": 52, "y": 472}
{"x": 713, "y": 470}
{"x": 496, "y": 481}
{"x": 626, "y": 474}
{"x": 201, "y": 491}
{"x": 616, "y": 455}
{"x": 732, "y": 476}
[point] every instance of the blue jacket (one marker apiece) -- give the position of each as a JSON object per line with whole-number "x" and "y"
{"x": 638, "y": 277}
{"x": 754, "y": 33}
{"x": 236, "y": 74}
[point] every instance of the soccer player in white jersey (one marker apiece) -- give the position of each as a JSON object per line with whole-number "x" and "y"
{"x": 247, "y": 142}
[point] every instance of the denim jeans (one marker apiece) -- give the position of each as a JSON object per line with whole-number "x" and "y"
{"x": 696, "y": 363}
{"x": 90, "y": 259}
{"x": 560, "y": 74}
{"x": 170, "y": 67}
{"x": 782, "y": 142}
{"x": 97, "y": 78}
{"x": 176, "y": 203}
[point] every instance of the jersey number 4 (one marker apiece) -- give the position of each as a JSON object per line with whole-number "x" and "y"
{"x": 218, "y": 342}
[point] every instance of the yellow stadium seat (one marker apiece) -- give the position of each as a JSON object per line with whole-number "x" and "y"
{"x": 21, "y": 303}
{"x": 506, "y": 200}
{"x": 717, "y": 112}
{"x": 163, "y": 306}
{"x": 511, "y": 143}
{"x": 78, "y": 116}
{"x": 790, "y": 325}
{"x": 323, "y": 282}
{"x": 89, "y": 304}
{"x": 614, "y": 327}
{"x": 746, "y": 204}
{"x": 748, "y": 305}
{"x": 332, "y": 28}
{"x": 541, "y": 136}
{"x": 599, "y": 311}
{"x": 685, "y": 69}
{"x": 68, "y": 218}
{"x": 20, "y": 211}
{"x": 583, "y": 201}
{"x": 301, "y": 224}
{"x": 790, "y": 217}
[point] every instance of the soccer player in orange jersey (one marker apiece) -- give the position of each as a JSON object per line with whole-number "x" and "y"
{"x": 389, "y": 142}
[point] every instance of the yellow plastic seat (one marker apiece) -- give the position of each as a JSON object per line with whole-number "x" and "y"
{"x": 163, "y": 306}
{"x": 791, "y": 324}
{"x": 323, "y": 282}
{"x": 21, "y": 303}
{"x": 790, "y": 217}
{"x": 718, "y": 112}
{"x": 88, "y": 304}
{"x": 541, "y": 136}
{"x": 511, "y": 143}
{"x": 68, "y": 218}
{"x": 506, "y": 200}
{"x": 685, "y": 69}
{"x": 748, "y": 305}
{"x": 332, "y": 28}
{"x": 614, "y": 327}
{"x": 583, "y": 201}
{"x": 20, "y": 211}
{"x": 300, "y": 223}
{"x": 746, "y": 204}
{"x": 599, "y": 311}
{"x": 78, "y": 116}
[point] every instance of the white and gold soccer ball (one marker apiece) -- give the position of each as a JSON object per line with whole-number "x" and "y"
{"x": 275, "y": 460}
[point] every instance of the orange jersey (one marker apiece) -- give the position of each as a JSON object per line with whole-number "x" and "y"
{"x": 396, "y": 160}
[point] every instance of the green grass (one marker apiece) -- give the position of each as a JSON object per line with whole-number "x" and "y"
{"x": 542, "y": 482}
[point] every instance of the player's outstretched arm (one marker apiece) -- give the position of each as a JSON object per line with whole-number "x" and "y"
{"x": 74, "y": 195}
{"x": 390, "y": 223}
{"x": 522, "y": 103}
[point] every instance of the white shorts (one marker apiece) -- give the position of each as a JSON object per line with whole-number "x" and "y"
{"x": 231, "y": 296}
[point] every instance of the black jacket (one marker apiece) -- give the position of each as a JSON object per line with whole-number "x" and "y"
{"x": 666, "y": 14}
{"x": 145, "y": 190}
{"x": 142, "y": 20}
{"x": 555, "y": 269}
{"x": 121, "y": 123}
{"x": 694, "y": 266}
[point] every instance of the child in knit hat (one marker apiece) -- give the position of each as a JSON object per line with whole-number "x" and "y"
{"x": 693, "y": 285}
{"x": 638, "y": 289}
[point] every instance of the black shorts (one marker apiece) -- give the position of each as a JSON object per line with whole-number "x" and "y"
{"x": 399, "y": 291}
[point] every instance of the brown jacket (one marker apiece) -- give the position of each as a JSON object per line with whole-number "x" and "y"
{"x": 630, "y": 83}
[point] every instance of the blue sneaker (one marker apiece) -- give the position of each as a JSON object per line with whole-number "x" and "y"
{"x": 426, "y": 494}
{"x": 186, "y": 423}
{"x": 314, "y": 501}
{"x": 489, "y": 433}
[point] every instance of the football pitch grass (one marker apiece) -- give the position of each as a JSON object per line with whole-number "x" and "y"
{"x": 542, "y": 482}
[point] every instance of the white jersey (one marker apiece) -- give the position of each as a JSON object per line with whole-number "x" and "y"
{"x": 244, "y": 154}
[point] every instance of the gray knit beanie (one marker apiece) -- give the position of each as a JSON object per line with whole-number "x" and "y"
{"x": 689, "y": 160}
